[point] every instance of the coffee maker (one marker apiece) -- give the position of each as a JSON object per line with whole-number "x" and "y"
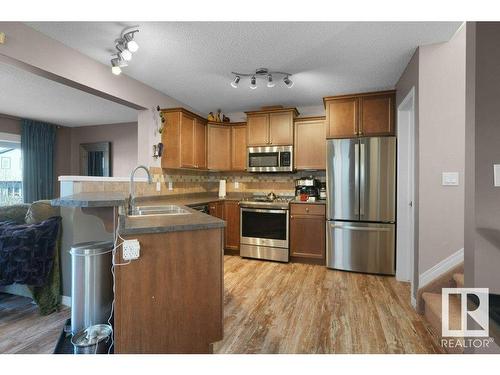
{"x": 307, "y": 186}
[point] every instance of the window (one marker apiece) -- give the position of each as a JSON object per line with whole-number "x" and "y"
{"x": 11, "y": 170}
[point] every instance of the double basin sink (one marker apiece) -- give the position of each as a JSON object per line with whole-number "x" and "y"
{"x": 168, "y": 209}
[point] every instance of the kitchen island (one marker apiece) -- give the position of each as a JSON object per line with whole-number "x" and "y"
{"x": 170, "y": 299}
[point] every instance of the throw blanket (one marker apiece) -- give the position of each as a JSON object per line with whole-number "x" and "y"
{"x": 27, "y": 251}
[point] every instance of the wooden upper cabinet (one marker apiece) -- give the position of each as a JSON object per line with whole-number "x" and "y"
{"x": 367, "y": 114}
{"x": 310, "y": 143}
{"x": 281, "y": 128}
{"x": 238, "y": 147}
{"x": 219, "y": 147}
{"x": 342, "y": 117}
{"x": 187, "y": 141}
{"x": 258, "y": 130}
{"x": 377, "y": 115}
{"x": 273, "y": 127}
{"x": 184, "y": 140}
{"x": 200, "y": 149}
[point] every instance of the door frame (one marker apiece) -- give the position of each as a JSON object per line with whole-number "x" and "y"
{"x": 405, "y": 230}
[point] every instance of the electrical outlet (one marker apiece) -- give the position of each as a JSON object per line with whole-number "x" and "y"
{"x": 158, "y": 186}
{"x": 236, "y": 185}
{"x": 131, "y": 249}
{"x": 170, "y": 185}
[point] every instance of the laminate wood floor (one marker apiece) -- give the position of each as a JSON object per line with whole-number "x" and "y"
{"x": 23, "y": 330}
{"x": 297, "y": 308}
{"x": 273, "y": 308}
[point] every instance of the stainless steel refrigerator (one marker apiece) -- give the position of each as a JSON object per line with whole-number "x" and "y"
{"x": 361, "y": 199}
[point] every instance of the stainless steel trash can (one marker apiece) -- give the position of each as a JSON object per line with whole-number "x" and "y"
{"x": 91, "y": 284}
{"x": 93, "y": 340}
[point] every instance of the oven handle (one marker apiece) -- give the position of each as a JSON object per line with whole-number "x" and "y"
{"x": 284, "y": 212}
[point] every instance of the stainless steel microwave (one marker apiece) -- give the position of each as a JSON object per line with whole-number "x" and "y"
{"x": 270, "y": 159}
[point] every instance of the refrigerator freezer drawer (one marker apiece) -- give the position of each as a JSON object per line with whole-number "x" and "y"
{"x": 361, "y": 247}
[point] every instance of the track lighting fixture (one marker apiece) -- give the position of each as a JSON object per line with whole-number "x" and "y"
{"x": 288, "y": 82}
{"x": 253, "y": 83}
{"x": 115, "y": 67}
{"x": 117, "y": 64}
{"x": 235, "y": 82}
{"x": 261, "y": 73}
{"x": 270, "y": 82}
{"x": 125, "y": 46}
{"x": 123, "y": 52}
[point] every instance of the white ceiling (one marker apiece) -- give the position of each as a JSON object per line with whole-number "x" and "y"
{"x": 192, "y": 61}
{"x": 27, "y": 95}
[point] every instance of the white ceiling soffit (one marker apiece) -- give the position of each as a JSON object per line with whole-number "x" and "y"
{"x": 27, "y": 95}
{"x": 192, "y": 61}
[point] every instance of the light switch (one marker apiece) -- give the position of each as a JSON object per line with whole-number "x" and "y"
{"x": 450, "y": 179}
{"x": 496, "y": 174}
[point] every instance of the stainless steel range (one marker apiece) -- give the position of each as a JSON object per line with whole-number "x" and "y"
{"x": 264, "y": 227}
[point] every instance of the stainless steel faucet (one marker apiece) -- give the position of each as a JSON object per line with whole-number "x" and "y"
{"x": 132, "y": 187}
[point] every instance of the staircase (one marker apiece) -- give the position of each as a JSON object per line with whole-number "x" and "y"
{"x": 429, "y": 302}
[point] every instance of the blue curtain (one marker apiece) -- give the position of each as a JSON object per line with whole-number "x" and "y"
{"x": 37, "y": 145}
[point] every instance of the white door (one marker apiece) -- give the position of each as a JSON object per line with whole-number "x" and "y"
{"x": 406, "y": 191}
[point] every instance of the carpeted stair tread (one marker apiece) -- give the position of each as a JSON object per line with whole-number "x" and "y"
{"x": 459, "y": 279}
{"x": 433, "y": 305}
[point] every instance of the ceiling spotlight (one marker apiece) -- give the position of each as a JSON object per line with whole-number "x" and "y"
{"x": 115, "y": 66}
{"x": 288, "y": 82}
{"x": 253, "y": 83}
{"x": 123, "y": 52}
{"x": 270, "y": 82}
{"x": 235, "y": 82}
{"x": 131, "y": 44}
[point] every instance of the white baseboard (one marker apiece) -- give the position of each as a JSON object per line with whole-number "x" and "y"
{"x": 441, "y": 268}
{"x": 66, "y": 301}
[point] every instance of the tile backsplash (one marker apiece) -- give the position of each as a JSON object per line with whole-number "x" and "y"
{"x": 186, "y": 181}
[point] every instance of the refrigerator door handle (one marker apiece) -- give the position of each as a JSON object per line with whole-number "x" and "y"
{"x": 356, "y": 178}
{"x": 362, "y": 178}
{"x": 366, "y": 229}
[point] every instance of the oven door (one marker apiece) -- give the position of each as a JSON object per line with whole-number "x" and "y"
{"x": 264, "y": 227}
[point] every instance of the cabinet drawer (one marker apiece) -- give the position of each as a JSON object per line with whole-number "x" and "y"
{"x": 307, "y": 209}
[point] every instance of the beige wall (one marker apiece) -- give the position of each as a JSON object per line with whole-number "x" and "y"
{"x": 123, "y": 138}
{"x": 438, "y": 74}
{"x": 441, "y": 149}
{"x": 9, "y": 124}
{"x": 485, "y": 245}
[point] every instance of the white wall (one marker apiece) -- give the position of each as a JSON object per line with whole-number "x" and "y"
{"x": 441, "y": 149}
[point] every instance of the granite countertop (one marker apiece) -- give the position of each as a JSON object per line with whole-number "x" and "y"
{"x": 318, "y": 201}
{"x": 91, "y": 199}
{"x": 195, "y": 220}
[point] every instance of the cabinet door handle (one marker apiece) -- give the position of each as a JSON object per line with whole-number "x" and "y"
{"x": 307, "y": 209}
{"x": 291, "y": 217}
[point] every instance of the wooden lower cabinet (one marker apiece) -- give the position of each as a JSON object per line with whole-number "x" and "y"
{"x": 229, "y": 211}
{"x": 232, "y": 218}
{"x": 216, "y": 209}
{"x": 307, "y": 232}
{"x": 170, "y": 300}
